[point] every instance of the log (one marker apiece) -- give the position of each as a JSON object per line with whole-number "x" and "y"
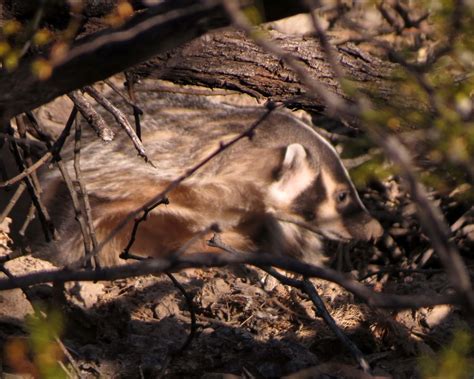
{"x": 228, "y": 59}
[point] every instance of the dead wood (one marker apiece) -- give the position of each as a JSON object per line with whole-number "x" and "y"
{"x": 108, "y": 52}
{"x": 156, "y": 29}
{"x": 222, "y": 59}
{"x": 228, "y": 59}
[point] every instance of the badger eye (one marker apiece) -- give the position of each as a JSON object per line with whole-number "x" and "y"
{"x": 342, "y": 196}
{"x": 309, "y": 216}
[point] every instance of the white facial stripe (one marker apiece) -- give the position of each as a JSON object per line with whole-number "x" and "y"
{"x": 328, "y": 216}
{"x": 336, "y": 155}
{"x": 327, "y": 209}
{"x": 283, "y": 192}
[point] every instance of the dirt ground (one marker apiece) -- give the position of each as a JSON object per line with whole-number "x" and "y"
{"x": 249, "y": 325}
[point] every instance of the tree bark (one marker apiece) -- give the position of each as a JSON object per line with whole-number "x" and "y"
{"x": 228, "y": 59}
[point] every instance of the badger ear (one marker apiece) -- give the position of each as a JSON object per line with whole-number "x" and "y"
{"x": 295, "y": 156}
{"x": 293, "y": 174}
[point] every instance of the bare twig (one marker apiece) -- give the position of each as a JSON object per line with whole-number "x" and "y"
{"x": 431, "y": 219}
{"x": 121, "y": 120}
{"x": 391, "y": 20}
{"x": 28, "y": 170}
{"x": 324, "y": 40}
{"x": 126, "y": 252}
{"x": 137, "y": 111}
{"x": 29, "y": 217}
{"x": 117, "y": 90}
{"x": 94, "y": 119}
{"x": 21, "y": 128}
{"x": 53, "y": 149}
{"x": 405, "y": 15}
{"x": 82, "y": 194}
{"x": 197, "y": 236}
{"x": 309, "y": 289}
{"x": 24, "y": 141}
{"x": 189, "y": 302}
{"x": 76, "y": 204}
{"x": 68, "y": 355}
{"x": 47, "y": 226}
{"x": 13, "y": 200}
{"x": 36, "y": 129}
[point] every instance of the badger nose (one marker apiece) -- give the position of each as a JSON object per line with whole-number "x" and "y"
{"x": 374, "y": 230}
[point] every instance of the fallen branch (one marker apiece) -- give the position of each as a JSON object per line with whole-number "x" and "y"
{"x": 202, "y": 260}
{"x": 108, "y": 52}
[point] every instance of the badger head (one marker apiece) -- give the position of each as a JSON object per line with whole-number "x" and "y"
{"x": 312, "y": 188}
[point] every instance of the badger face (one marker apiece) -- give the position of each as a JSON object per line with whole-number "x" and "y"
{"x": 312, "y": 186}
{"x": 334, "y": 208}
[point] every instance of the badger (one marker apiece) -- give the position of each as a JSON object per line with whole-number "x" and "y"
{"x": 281, "y": 191}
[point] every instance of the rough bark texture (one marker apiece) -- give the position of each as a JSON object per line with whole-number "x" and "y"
{"x": 228, "y": 59}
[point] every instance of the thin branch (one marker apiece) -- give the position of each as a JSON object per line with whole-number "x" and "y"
{"x": 13, "y": 200}
{"x": 76, "y": 204}
{"x": 70, "y": 358}
{"x": 28, "y": 170}
{"x": 29, "y": 217}
{"x": 261, "y": 260}
{"x": 94, "y": 119}
{"x": 137, "y": 112}
{"x": 21, "y": 129}
{"x": 214, "y": 227}
{"x": 324, "y": 40}
{"x": 121, "y": 120}
{"x": 117, "y": 90}
{"x": 126, "y": 252}
{"x": 309, "y": 289}
{"x": 189, "y": 302}
{"x": 40, "y": 146}
{"x": 431, "y": 219}
{"x": 47, "y": 226}
{"x": 84, "y": 197}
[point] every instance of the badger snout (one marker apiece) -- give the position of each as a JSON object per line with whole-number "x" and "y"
{"x": 373, "y": 230}
{"x": 362, "y": 226}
